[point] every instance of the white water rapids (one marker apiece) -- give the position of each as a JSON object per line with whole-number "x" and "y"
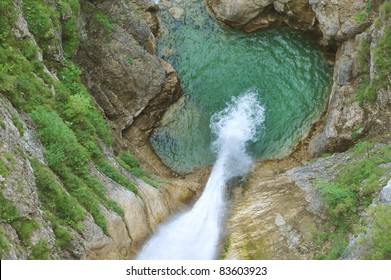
{"x": 195, "y": 234}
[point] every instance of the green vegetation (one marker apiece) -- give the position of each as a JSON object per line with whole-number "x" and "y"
{"x": 40, "y": 251}
{"x": 356, "y": 186}
{"x": 3, "y": 169}
{"x": 55, "y": 200}
{"x": 4, "y": 247}
{"x": 3, "y": 125}
{"x": 364, "y": 15}
{"x": 381, "y": 57}
{"x": 43, "y": 22}
{"x": 70, "y": 33}
{"x": 128, "y": 162}
{"x": 355, "y": 132}
{"x": 115, "y": 175}
{"x": 68, "y": 123}
{"x": 23, "y": 227}
{"x": 380, "y": 233}
{"x": 104, "y": 21}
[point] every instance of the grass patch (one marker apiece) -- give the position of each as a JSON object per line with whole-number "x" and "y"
{"x": 106, "y": 22}
{"x": 4, "y": 172}
{"x": 19, "y": 125}
{"x": 129, "y": 163}
{"x": 111, "y": 172}
{"x": 364, "y": 15}
{"x": 3, "y": 125}
{"x": 4, "y": 247}
{"x": 380, "y": 234}
{"x": 70, "y": 34}
{"x": 356, "y": 186}
{"x": 54, "y": 199}
{"x": 40, "y": 251}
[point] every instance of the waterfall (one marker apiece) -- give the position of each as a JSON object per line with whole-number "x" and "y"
{"x": 195, "y": 234}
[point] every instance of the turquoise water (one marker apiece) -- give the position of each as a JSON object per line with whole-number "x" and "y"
{"x": 287, "y": 72}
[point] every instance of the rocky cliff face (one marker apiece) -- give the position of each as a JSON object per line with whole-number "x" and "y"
{"x": 43, "y": 212}
{"x": 67, "y": 192}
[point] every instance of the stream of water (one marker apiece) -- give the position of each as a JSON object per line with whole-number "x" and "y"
{"x": 195, "y": 233}
{"x": 226, "y": 76}
{"x": 286, "y": 70}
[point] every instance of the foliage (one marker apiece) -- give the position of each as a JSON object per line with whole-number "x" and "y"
{"x": 4, "y": 247}
{"x": 4, "y": 172}
{"x": 3, "y": 125}
{"x": 362, "y": 16}
{"x": 17, "y": 75}
{"x": 104, "y": 21}
{"x": 381, "y": 58}
{"x": 85, "y": 196}
{"x": 115, "y": 175}
{"x": 43, "y": 21}
{"x": 70, "y": 34}
{"x": 8, "y": 213}
{"x": 380, "y": 233}
{"x": 24, "y": 228}
{"x": 129, "y": 163}
{"x": 354, "y": 189}
{"x": 355, "y": 132}
{"x": 40, "y": 251}
{"x": 19, "y": 125}
{"x": 59, "y": 141}
{"x": 54, "y": 199}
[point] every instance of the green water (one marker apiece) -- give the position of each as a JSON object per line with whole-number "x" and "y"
{"x": 285, "y": 69}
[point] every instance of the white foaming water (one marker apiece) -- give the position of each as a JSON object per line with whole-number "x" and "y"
{"x": 195, "y": 234}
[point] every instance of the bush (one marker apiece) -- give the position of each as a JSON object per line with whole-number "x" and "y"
{"x": 54, "y": 199}
{"x": 104, "y": 21}
{"x": 43, "y": 21}
{"x": 40, "y": 251}
{"x": 8, "y": 212}
{"x": 78, "y": 189}
{"x": 59, "y": 141}
{"x": 4, "y": 247}
{"x": 70, "y": 35}
{"x": 3, "y": 169}
{"x": 356, "y": 186}
{"x": 25, "y": 228}
{"x": 380, "y": 234}
{"x": 63, "y": 236}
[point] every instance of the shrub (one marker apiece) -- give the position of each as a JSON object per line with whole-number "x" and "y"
{"x": 104, "y": 21}
{"x": 70, "y": 35}
{"x": 43, "y": 21}
{"x": 4, "y": 247}
{"x": 59, "y": 141}
{"x": 24, "y": 228}
{"x": 40, "y": 251}
{"x": 354, "y": 189}
{"x": 3, "y": 169}
{"x": 381, "y": 232}
{"x": 54, "y": 199}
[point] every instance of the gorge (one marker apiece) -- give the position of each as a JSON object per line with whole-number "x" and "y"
{"x": 86, "y": 84}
